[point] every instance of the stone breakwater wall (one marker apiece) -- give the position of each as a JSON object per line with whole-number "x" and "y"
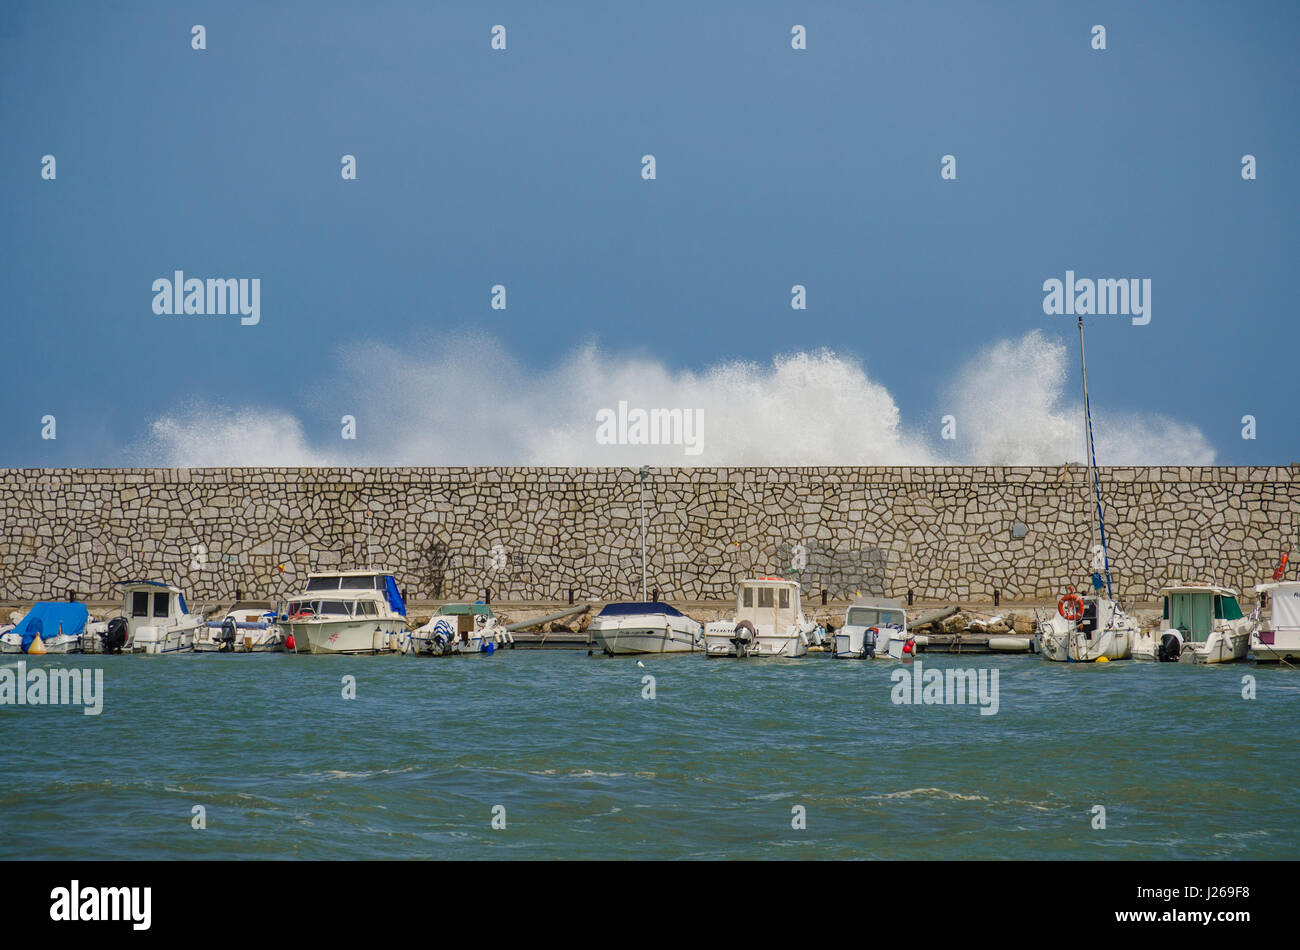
{"x": 946, "y": 533}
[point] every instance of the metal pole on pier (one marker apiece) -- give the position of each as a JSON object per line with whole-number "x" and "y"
{"x": 645, "y": 471}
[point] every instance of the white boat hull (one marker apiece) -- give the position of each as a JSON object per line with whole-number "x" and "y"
{"x": 380, "y": 635}
{"x": 60, "y": 645}
{"x": 719, "y": 643}
{"x": 1221, "y": 646}
{"x": 630, "y": 636}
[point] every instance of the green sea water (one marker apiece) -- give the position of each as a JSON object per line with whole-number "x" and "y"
{"x": 723, "y": 762}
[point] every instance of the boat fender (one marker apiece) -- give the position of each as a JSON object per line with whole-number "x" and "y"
{"x": 290, "y": 643}
{"x": 907, "y": 647}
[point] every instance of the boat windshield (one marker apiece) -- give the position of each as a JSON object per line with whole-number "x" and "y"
{"x": 874, "y": 617}
{"x": 300, "y": 608}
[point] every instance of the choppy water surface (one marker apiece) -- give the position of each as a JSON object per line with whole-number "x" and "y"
{"x": 711, "y": 768}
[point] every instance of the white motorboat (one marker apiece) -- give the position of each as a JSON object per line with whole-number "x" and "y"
{"x": 154, "y": 620}
{"x": 874, "y": 627}
{"x": 459, "y": 629}
{"x": 637, "y": 627}
{"x": 1278, "y": 641}
{"x": 1093, "y": 627}
{"x": 1202, "y": 623}
{"x": 57, "y": 625}
{"x": 769, "y": 621}
{"x": 248, "y": 627}
{"x": 346, "y": 612}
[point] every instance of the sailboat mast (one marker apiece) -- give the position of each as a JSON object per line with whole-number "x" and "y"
{"x": 1092, "y": 462}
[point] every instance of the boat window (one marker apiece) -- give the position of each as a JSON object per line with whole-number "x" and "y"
{"x": 366, "y": 608}
{"x": 785, "y": 597}
{"x": 140, "y": 603}
{"x": 160, "y": 604}
{"x": 748, "y": 597}
{"x": 765, "y": 597}
{"x": 1226, "y": 608}
{"x": 333, "y": 607}
{"x": 323, "y": 583}
{"x": 360, "y": 583}
{"x": 1192, "y": 614}
{"x": 874, "y": 617}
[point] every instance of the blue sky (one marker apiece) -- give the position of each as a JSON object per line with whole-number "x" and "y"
{"x": 775, "y": 167}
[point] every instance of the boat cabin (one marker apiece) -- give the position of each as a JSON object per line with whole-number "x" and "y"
{"x": 768, "y": 600}
{"x": 152, "y": 603}
{"x": 876, "y": 612}
{"x": 348, "y": 584}
{"x": 1193, "y": 609}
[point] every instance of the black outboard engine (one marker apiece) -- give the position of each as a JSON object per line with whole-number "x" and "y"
{"x": 744, "y": 637}
{"x": 1171, "y": 647}
{"x": 228, "y": 632}
{"x": 114, "y": 638}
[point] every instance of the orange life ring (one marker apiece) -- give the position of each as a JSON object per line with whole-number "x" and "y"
{"x": 1070, "y": 606}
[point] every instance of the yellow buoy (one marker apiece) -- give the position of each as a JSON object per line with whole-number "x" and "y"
{"x": 1103, "y": 659}
{"x": 37, "y": 646}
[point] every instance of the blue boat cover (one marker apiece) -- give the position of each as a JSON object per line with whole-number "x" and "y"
{"x": 629, "y": 608}
{"x": 394, "y": 596}
{"x": 46, "y": 618}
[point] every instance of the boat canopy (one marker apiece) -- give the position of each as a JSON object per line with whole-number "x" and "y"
{"x": 394, "y": 595}
{"x": 461, "y": 610}
{"x": 49, "y": 619}
{"x": 633, "y": 607}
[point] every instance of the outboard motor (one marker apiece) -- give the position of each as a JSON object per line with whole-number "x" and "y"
{"x": 228, "y": 633}
{"x": 744, "y": 638}
{"x": 115, "y": 637}
{"x": 1171, "y": 648}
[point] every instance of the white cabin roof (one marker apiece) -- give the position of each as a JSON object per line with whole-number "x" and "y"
{"x": 1198, "y": 589}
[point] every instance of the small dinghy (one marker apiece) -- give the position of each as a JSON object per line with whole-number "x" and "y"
{"x": 57, "y": 625}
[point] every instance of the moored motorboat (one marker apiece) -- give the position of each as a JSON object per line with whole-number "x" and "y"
{"x": 154, "y": 619}
{"x": 769, "y": 622}
{"x": 57, "y": 625}
{"x": 874, "y": 627}
{"x": 630, "y": 628}
{"x": 1278, "y": 640}
{"x": 1201, "y": 623}
{"x": 249, "y": 626}
{"x": 346, "y": 612}
{"x": 457, "y": 630}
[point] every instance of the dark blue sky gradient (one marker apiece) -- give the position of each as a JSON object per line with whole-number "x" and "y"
{"x": 775, "y": 167}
